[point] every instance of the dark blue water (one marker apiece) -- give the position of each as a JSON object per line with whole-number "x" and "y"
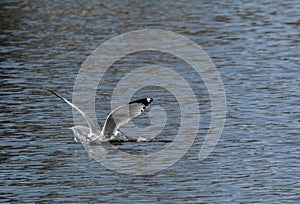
{"x": 256, "y": 49}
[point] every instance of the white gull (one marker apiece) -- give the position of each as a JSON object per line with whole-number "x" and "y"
{"x": 113, "y": 122}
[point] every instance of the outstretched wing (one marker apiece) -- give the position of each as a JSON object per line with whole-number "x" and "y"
{"x": 93, "y": 128}
{"x": 123, "y": 114}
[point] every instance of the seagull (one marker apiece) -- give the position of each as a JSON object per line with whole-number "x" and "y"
{"x": 118, "y": 117}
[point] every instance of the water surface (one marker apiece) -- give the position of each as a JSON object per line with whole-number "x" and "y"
{"x": 255, "y": 47}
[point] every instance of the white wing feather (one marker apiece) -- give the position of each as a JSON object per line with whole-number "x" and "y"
{"x": 93, "y": 128}
{"x": 123, "y": 114}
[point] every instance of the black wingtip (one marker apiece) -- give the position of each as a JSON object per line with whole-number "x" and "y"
{"x": 53, "y": 92}
{"x": 145, "y": 101}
